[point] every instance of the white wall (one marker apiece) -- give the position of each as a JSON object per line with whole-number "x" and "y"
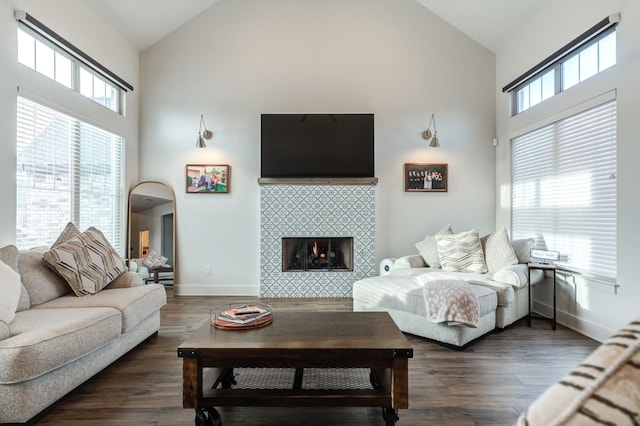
{"x": 240, "y": 59}
{"x": 72, "y": 20}
{"x": 594, "y": 310}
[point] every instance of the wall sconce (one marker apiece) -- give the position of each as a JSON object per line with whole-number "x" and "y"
{"x": 426, "y": 135}
{"x": 207, "y": 134}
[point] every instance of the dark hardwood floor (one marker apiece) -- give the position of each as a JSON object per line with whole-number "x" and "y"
{"x": 489, "y": 383}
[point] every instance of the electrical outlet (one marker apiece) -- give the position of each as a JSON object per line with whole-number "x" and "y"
{"x": 207, "y": 270}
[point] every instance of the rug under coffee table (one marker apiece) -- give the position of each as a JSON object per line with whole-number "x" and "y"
{"x": 314, "y": 359}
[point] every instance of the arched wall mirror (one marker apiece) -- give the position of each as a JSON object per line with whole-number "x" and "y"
{"x": 152, "y": 230}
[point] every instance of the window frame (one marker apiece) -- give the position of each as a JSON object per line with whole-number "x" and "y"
{"x": 80, "y": 60}
{"x": 73, "y": 185}
{"x": 556, "y": 61}
{"x": 587, "y": 147}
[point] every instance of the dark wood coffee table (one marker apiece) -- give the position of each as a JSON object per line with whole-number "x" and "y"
{"x": 304, "y": 343}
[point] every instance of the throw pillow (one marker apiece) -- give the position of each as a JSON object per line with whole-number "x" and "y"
{"x": 87, "y": 262}
{"x": 70, "y": 231}
{"x": 154, "y": 260}
{"x": 522, "y": 249}
{"x": 498, "y": 252}
{"x": 461, "y": 252}
{"x": 9, "y": 255}
{"x": 428, "y": 248}
{"x": 10, "y": 285}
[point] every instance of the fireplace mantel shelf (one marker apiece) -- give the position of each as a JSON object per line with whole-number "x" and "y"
{"x": 318, "y": 181}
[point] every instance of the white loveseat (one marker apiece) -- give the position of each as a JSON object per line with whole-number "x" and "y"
{"x": 502, "y": 295}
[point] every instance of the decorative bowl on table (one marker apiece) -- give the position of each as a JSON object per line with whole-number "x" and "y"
{"x": 241, "y": 316}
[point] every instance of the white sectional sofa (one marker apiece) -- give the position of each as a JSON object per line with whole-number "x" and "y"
{"x": 58, "y": 340}
{"x": 502, "y": 295}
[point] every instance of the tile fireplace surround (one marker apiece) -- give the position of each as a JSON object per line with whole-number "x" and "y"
{"x": 302, "y": 208}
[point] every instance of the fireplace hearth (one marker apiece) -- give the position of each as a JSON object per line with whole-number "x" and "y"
{"x": 317, "y": 254}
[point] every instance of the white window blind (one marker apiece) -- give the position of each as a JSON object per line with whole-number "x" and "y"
{"x": 564, "y": 189}
{"x": 67, "y": 171}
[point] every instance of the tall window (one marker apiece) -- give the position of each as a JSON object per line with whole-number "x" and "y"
{"x": 564, "y": 189}
{"x": 67, "y": 171}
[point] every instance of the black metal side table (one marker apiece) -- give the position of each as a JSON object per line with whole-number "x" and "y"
{"x": 544, "y": 267}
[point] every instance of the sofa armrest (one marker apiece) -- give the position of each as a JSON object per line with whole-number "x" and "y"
{"x": 606, "y": 379}
{"x": 128, "y": 279}
{"x": 518, "y": 275}
{"x": 138, "y": 266}
{"x": 411, "y": 261}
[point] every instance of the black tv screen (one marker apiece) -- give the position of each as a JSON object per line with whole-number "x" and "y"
{"x": 316, "y": 145}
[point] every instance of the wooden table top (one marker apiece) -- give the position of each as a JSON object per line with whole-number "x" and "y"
{"x": 546, "y": 266}
{"x": 161, "y": 268}
{"x": 307, "y": 330}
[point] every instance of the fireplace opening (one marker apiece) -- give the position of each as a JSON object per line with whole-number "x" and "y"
{"x": 317, "y": 254}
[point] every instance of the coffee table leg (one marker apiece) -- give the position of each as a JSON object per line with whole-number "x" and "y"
{"x": 226, "y": 378}
{"x": 208, "y": 417}
{"x": 390, "y": 416}
{"x": 373, "y": 378}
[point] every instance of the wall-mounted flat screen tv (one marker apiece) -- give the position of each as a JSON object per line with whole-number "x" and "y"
{"x": 316, "y": 145}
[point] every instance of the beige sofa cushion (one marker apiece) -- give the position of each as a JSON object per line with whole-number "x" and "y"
{"x": 41, "y": 283}
{"x": 45, "y": 339}
{"x": 126, "y": 280}
{"x": 87, "y": 262}
{"x": 9, "y": 255}
{"x": 135, "y": 303}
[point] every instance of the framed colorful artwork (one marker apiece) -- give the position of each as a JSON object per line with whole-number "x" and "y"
{"x": 208, "y": 178}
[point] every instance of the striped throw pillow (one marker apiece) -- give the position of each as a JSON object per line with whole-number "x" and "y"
{"x": 87, "y": 262}
{"x": 461, "y": 252}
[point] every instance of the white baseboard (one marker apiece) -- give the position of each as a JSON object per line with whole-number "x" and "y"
{"x": 590, "y": 329}
{"x": 216, "y": 290}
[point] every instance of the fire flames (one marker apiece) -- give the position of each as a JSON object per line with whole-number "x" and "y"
{"x": 315, "y": 251}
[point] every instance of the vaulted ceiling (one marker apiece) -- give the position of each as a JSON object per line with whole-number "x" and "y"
{"x": 144, "y": 22}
